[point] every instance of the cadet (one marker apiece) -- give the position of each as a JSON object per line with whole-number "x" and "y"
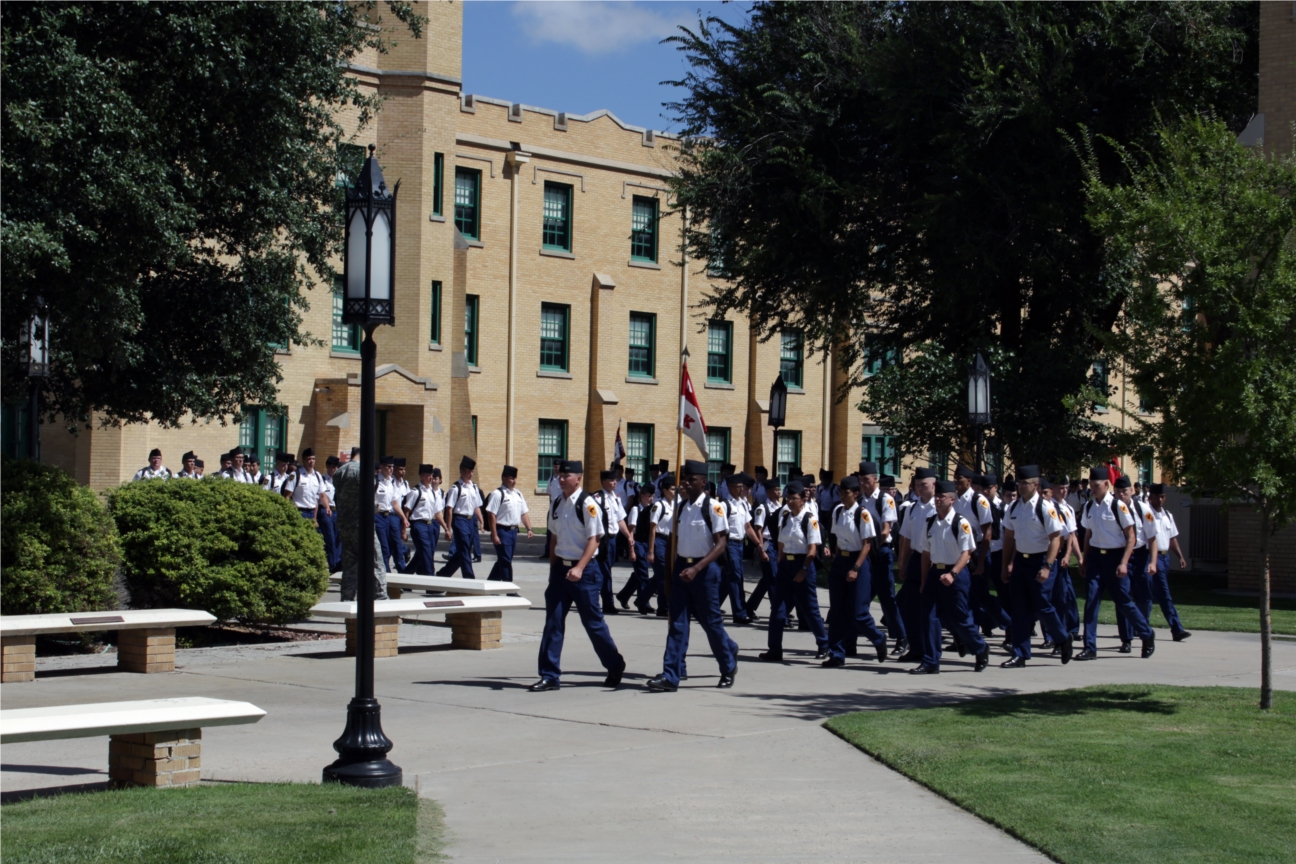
{"x": 279, "y": 477}
{"x": 829, "y": 495}
{"x": 852, "y": 532}
{"x": 639, "y": 584}
{"x": 1142, "y": 563}
{"x": 701, "y": 537}
{"x": 1109, "y": 541}
{"x": 1032, "y": 540}
{"x": 975, "y": 508}
{"x": 913, "y": 521}
{"x": 990, "y": 607}
{"x": 328, "y": 516}
{"x": 424, "y": 506}
{"x": 154, "y": 469}
{"x": 662, "y": 515}
{"x": 1064, "y": 596}
{"x": 758, "y": 488}
{"x": 306, "y": 489}
{"x": 188, "y": 466}
{"x": 577, "y": 525}
{"x": 1167, "y": 534}
{"x": 507, "y": 509}
{"x": 613, "y": 524}
{"x": 877, "y": 494}
{"x": 764, "y": 521}
{"x": 738, "y": 515}
{"x": 798, "y": 539}
{"x": 387, "y": 522}
{"x": 946, "y": 542}
{"x": 350, "y": 486}
{"x": 463, "y": 512}
{"x": 199, "y": 468}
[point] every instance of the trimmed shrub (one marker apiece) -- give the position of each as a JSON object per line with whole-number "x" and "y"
{"x": 58, "y": 545}
{"x": 232, "y": 549}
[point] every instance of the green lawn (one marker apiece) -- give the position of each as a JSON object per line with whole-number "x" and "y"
{"x": 1108, "y": 774}
{"x": 227, "y": 822}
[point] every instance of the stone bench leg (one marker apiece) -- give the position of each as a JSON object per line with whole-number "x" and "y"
{"x": 476, "y": 631}
{"x": 19, "y": 658}
{"x": 148, "y": 650}
{"x": 394, "y": 593}
{"x": 385, "y": 635}
{"x": 155, "y": 758}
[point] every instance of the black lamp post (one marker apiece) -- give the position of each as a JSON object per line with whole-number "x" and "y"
{"x": 777, "y": 416}
{"x": 36, "y": 337}
{"x": 979, "y": 403}
{"x": 370, "y": 278}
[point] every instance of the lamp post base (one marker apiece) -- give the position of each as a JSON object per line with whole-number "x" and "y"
{"x": 362, "y": 750}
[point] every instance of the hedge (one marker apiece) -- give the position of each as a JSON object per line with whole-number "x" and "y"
{"x": 58, "y": 545}
{"x": 233, "y": 549}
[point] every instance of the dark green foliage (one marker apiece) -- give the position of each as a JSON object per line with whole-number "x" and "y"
{"x": 59, "y": 550}
{"x": 232, "y": 549}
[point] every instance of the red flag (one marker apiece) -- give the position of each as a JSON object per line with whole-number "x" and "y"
{"x": 618, "y": 449}
{"x": 1113, "y": 470}
{"x": 690, "y": 415}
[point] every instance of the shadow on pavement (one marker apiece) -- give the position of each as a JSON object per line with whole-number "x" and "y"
{"x": 28, "y": 794}
{"x": 820, "y": 706}
{"x": 49, "y": 769}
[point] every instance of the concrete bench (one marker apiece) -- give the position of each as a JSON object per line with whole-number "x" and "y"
{"x": 145, "y": 637}
{"x": 476, "y": 623}
{"x": 151, "y": 742}
{"x": 399, "y": 582}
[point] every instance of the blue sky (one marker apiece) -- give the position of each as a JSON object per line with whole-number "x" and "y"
{"x": 579, "y": 57}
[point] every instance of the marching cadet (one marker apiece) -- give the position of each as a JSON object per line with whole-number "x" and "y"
{"x": 881, "y": 508}
{"x": 764, "y": 520}
{"x": 305, "y": 488}
{"x": 1064, "y": 596}
{"x": 554, "y": 490}
{"x": 662, "y": 516}
{"x": 726, "y": 471}
{"x": 154, "y": 470}
{"x": 758, "y": 488}
{"x": 614, "y": 524}
{"x": 640, "y": 521}
{"x": 828, "y": 495}
{"x": 975, "y": 508}
{"x": 1109, "y": 542}
{"x": 852, "y": 532}
{"x": 912, "y": 518}
{"x": 1032, "y": 540}
{"x": 1167, "y": 538}
{"x": 463, "y": 512}
{"x": 991, "y": 607}
{"x": 386, "y": 521}
{"x": 422, "y": 507}
{"x": 577, "y": 525}
{"x": 328, "y": 515}
{"x": 280, "y": 475}
{"x": 188, "y": 467}
{"x": 404, "y": 554}
{"x": 701, "y": 537}
{"x": 798, "y": 540}
{"x": 226, "y": 465}
{"x": 738, "y": 514}
{"x": 946, "y": 542}
{"x": 1142, "y": 563}
{"x": 236, "y": 472}
{"x": 507, "y": 509}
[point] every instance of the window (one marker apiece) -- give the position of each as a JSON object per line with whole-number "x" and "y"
{"x": 435, "y": 333}
{"x": 1145, "y": 465}
{"x": 438, "y": 182}
{"x": 790, "y": 351}
{"x": 346, "y": 337}
{"x": 1145, "y": 405}
{"x": 551, "y": 445}
{"x": 938, "y": 460}
{"x": 472, "y": 306}
{"x": 468, "y": 202}
{"x": 720, "y": 352}
{"x": 994, "y": 461}
{"x": 553, "y": 336}
{"x": 639, "y": 449}
{"x": 1189, "y": 317}
{"x": 262, "y": 433}
{"x": 643, "y": 229}
{"x": 877, "y": 359}
{"x": 881, "y": 449}
{"x": 351, "y": 159}
{"x": 15, "y": 432}
{"x": 717, "y": 441}
{"x": 1099, "y": 380}
{"x": 787, "y": 452}
{"x": 643, "y": 344}
{"x": 474, "y": 422}
{"x": 556, "y": 232}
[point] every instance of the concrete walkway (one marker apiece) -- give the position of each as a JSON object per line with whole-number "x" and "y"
{"x": 587, "y": 774}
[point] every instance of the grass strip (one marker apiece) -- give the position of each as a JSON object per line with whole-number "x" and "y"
{"x": 1108, "y": 774}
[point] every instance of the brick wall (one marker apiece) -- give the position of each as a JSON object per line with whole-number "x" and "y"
{"x": 1244, "y": 553}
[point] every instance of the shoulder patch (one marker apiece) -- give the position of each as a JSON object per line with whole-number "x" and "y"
{"x": 1148, "y": 516}
{"x": 985, "y": 505}
{"x": 593, "y": 511}
{"x": 814, "y": 523}
{"x": 867, "y": 517}
{"x": 719, "y": 511}
{"x": 1124, "y": 509}
{"x": 1053, "y": 513}
{"x": 967, "y": 529}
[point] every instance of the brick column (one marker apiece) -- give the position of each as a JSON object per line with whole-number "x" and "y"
{"x": 476, "y": 631}
{"x": 19, "y": 658}
{"x": 171, "y": 758}
{"x": 385, "y": 636}
{"x": 147, "y": 650}
{"x": 394, "y": 593}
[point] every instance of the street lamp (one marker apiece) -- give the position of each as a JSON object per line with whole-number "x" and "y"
{"x": 777, "y": 416}
{"x": 370, "y": 278}
{"x": 979, "y": 403}
{"x": 36, "y": 338}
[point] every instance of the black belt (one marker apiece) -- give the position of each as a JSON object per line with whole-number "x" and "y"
{"x": 308, "y": 509}
{"x": 690, "y": 560}
{"x": 943, "y": 567}
{"x": 1101, "y": 551}
{"x": 1030, "y": 554}
{"x": 384, "y": 512}
{"x": 423, "y": 521}
{"x": 506, "y": 527}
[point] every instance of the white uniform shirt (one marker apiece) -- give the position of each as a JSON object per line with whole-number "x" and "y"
{"x": 1032, "y": 536}
{"x": 1067, "y": 516}
{"x": 326, "y": 481}
{"x": 570, "y": 536}
{"x": 384, "y": 494}
{"x": 625, "y": 492}
{"x": 147, "y": 473}
{"x": 306, "y": 490}
{"x": 1166, "y": 529}
{"x": 507, "y": 506}
{"x": 698, "y": 527}
{"x": 996, "y": 543}
{"x": 662, "y": 513}
{"x": 850, "y": 539}
{"x": 464, "y": 498}
{"x": 189, "y": 475}
{"x": 915, "y": 522}
{"x": 765, "y": 517}
{"x": 739, "y": 515}
{"x": 796, "y": 541}
{"x": 555, "y": 490}
{"x": 423, "y": 503}
{"x": 403, "y": 489}
{"x": 613, "y": 512}
{"x": 974, "y": 507}
{"x": 276, "y": 482}
{"x": 881, "y": 507}
{"x": 1108, "y": 530}
{"x": 1144, "y": 523}
{"x": 946, "y": 540}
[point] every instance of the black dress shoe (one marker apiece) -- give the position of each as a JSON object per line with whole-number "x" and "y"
{"x": 770, "y": 657}
{"x": 739, "y": 622}
{"x": 753, "y": 616}
{"x": 1047, "y": 645}
{"x": 1181, "y": 636}
{"x": 1087, "y": 654}
{"x": 901, "y": 647}
{"x": 1125, "y": 648}
{"x": 1066, "y": 648}
{"x": 611, "y": 610}
{"x": 909, "y": 657}
{"x": 614, "y": 678}
{"x": 821, "y": 655}
{"x": 661, "y": 685}
{"x": 833, "y": 661}
{"x": 662, "y": 613}
{"x": 982, "y": 660}
{"x": 1006, "y": 645}
{"x": 544, "y": 684}
{"x": 1149, "y": 647}
{"x": 924, "y": 669}
{"x": 1013, "y": 663}
{"x": 624, "y": 601}
{"x": 881, "y": 651}
{"x": 727, "y": 679}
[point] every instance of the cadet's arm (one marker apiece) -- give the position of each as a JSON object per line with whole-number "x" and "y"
{"x": 688, "y": 574}
{"x": 1123, "y": 569}
{"x": 1009, "y": 552}
{"x": 591, "y": 547}
{"x": 1055, "y": 541}
{"x": 926, "y": 565}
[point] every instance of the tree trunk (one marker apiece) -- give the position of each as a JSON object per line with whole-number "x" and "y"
{"x": 1266, "y": 619}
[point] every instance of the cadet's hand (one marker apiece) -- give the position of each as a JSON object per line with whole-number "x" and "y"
{"x": 852, "y": 574}
{"x": 529, "y": 534}
{"x": 947, "y": 578}
{"x": 799, "y": 577}
{"x": 827, "y": 552}
{"x": 979, "y": 568}
{"x": 495, "y": 539}
{"x": 632, "y": 553}
{"x": 650, "y": 556}
{"x": 1042, "y": 576}
{"x": 574, "y": 574}
{"x": 765, "y": 555}
{"x": 688, "y": 574}
{"x": 1183, "y": 563}
{"x": 1122, "y": 571}
{"x": 1151, "y": 568}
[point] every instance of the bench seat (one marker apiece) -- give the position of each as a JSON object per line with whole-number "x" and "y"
{"x": 475, "y": 622}
{"x": 448, "y": 584}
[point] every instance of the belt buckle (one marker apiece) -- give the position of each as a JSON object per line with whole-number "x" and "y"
{"x": 567, "y": 563}
{"x": 791, "y": 557}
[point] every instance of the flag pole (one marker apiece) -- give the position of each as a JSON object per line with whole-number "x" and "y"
{"x": 679, "y": 477}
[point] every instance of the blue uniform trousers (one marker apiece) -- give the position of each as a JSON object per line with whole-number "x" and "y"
{"x": 986, "y": 608}
{"x": 951, "y": 604}
{"x": 909, "y": 603}
{"x": 1031, "y": 600}
{"x": 1064, "y": 600}
{"x": 882, "y": 584}
{"x": 605, "y": 556}
{"x": 731, "y": 578}
{"x": 848, "y": 606}
{"x": 1100, "y": 568}
{"x": 461, "y": 550}
{"x": 785, "y": 592}
{"x": 503, "y": 569}
{"x": 400, "y": 551}
{"x": 698, "y": 599}
{"x": 767, "y": 579}
{"x": 1161, "y": 594}
{"x": 386, "y": 540}
{"x": 1140, "y": 582}
{"x": 424, "y": 537}
{"x": 559, "y": 597}
{"x": 640, "y": 582}
{"x": 327, "y": 523}
{"x": 657, "y": 588}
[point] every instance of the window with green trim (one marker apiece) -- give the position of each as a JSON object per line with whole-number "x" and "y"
{"x": 720, "y": 352}
{"x": 639, "y": 449}
{"x": 435, "y": 332}
{"x": 551, "y": 445}
{"x": 474, "y": 424}
{"x": 938, "y": 461}
{"x": 15, "y": 434}
{"x": 553, "y": 336}
{"x": 1100, "y": 379}
{"x": 994, "y": 460}
{"x": 791, "y": 356}
{"x": 643, "y": 345}
{"x": 643, "y": 229}
{"x": 438, "y": 182}
{"x": 877, "y": 359}
{"x": 717, "y": 441}
{"x": 787, "y": 452}
{"x": 346, "y": 337}
{"x": 1146, "y": 465}
{"x": 468, "y": 202}
{"x": 882, "y": 450}
{"x": 350, "y": 162}
{"x": 556, "y": 230}
{"x": 262, "y": 433}
{"x": 472, "y": 306}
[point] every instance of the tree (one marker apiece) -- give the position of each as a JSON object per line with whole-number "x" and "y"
{"x": 895, "y": 175}
{"x": 1201, "y": 241}
{"x": 169, "y": 171}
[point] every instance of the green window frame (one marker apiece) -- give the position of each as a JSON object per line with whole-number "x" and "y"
{"x": 556, "y": 226}
{"x": 438, "y": 182}
{"x": 350, "y": 163}
{"x": 1146, "y": 465}
{"x": 938, "y": 461}
{"x": 346, "y": 337}
{"x": 474, "y": 424}
{"x": 787, "y": 453}
{"x": 467, "y": 214}
{"x": 551, "y": 444}
{"x": 639, "y": 448}
{"x": 792, "y": 359}
{"x": 717, "y": 441}
{"x": 555, "y": 327}
{"x": 882, "y": 450}
{"x": 643, "y": 229}
{"x": 720, "y": 352}
{"x": 14, "y": 433}
{"x": 434, "y": 334}
{"x": 262, "y": 433}
{"x": 875, "y": 360}
{"x": 1100, "y": 377}
{"x": 472, "y": 314}
{"x": 643, "y": 345}
{"x": 994, "y": 461}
